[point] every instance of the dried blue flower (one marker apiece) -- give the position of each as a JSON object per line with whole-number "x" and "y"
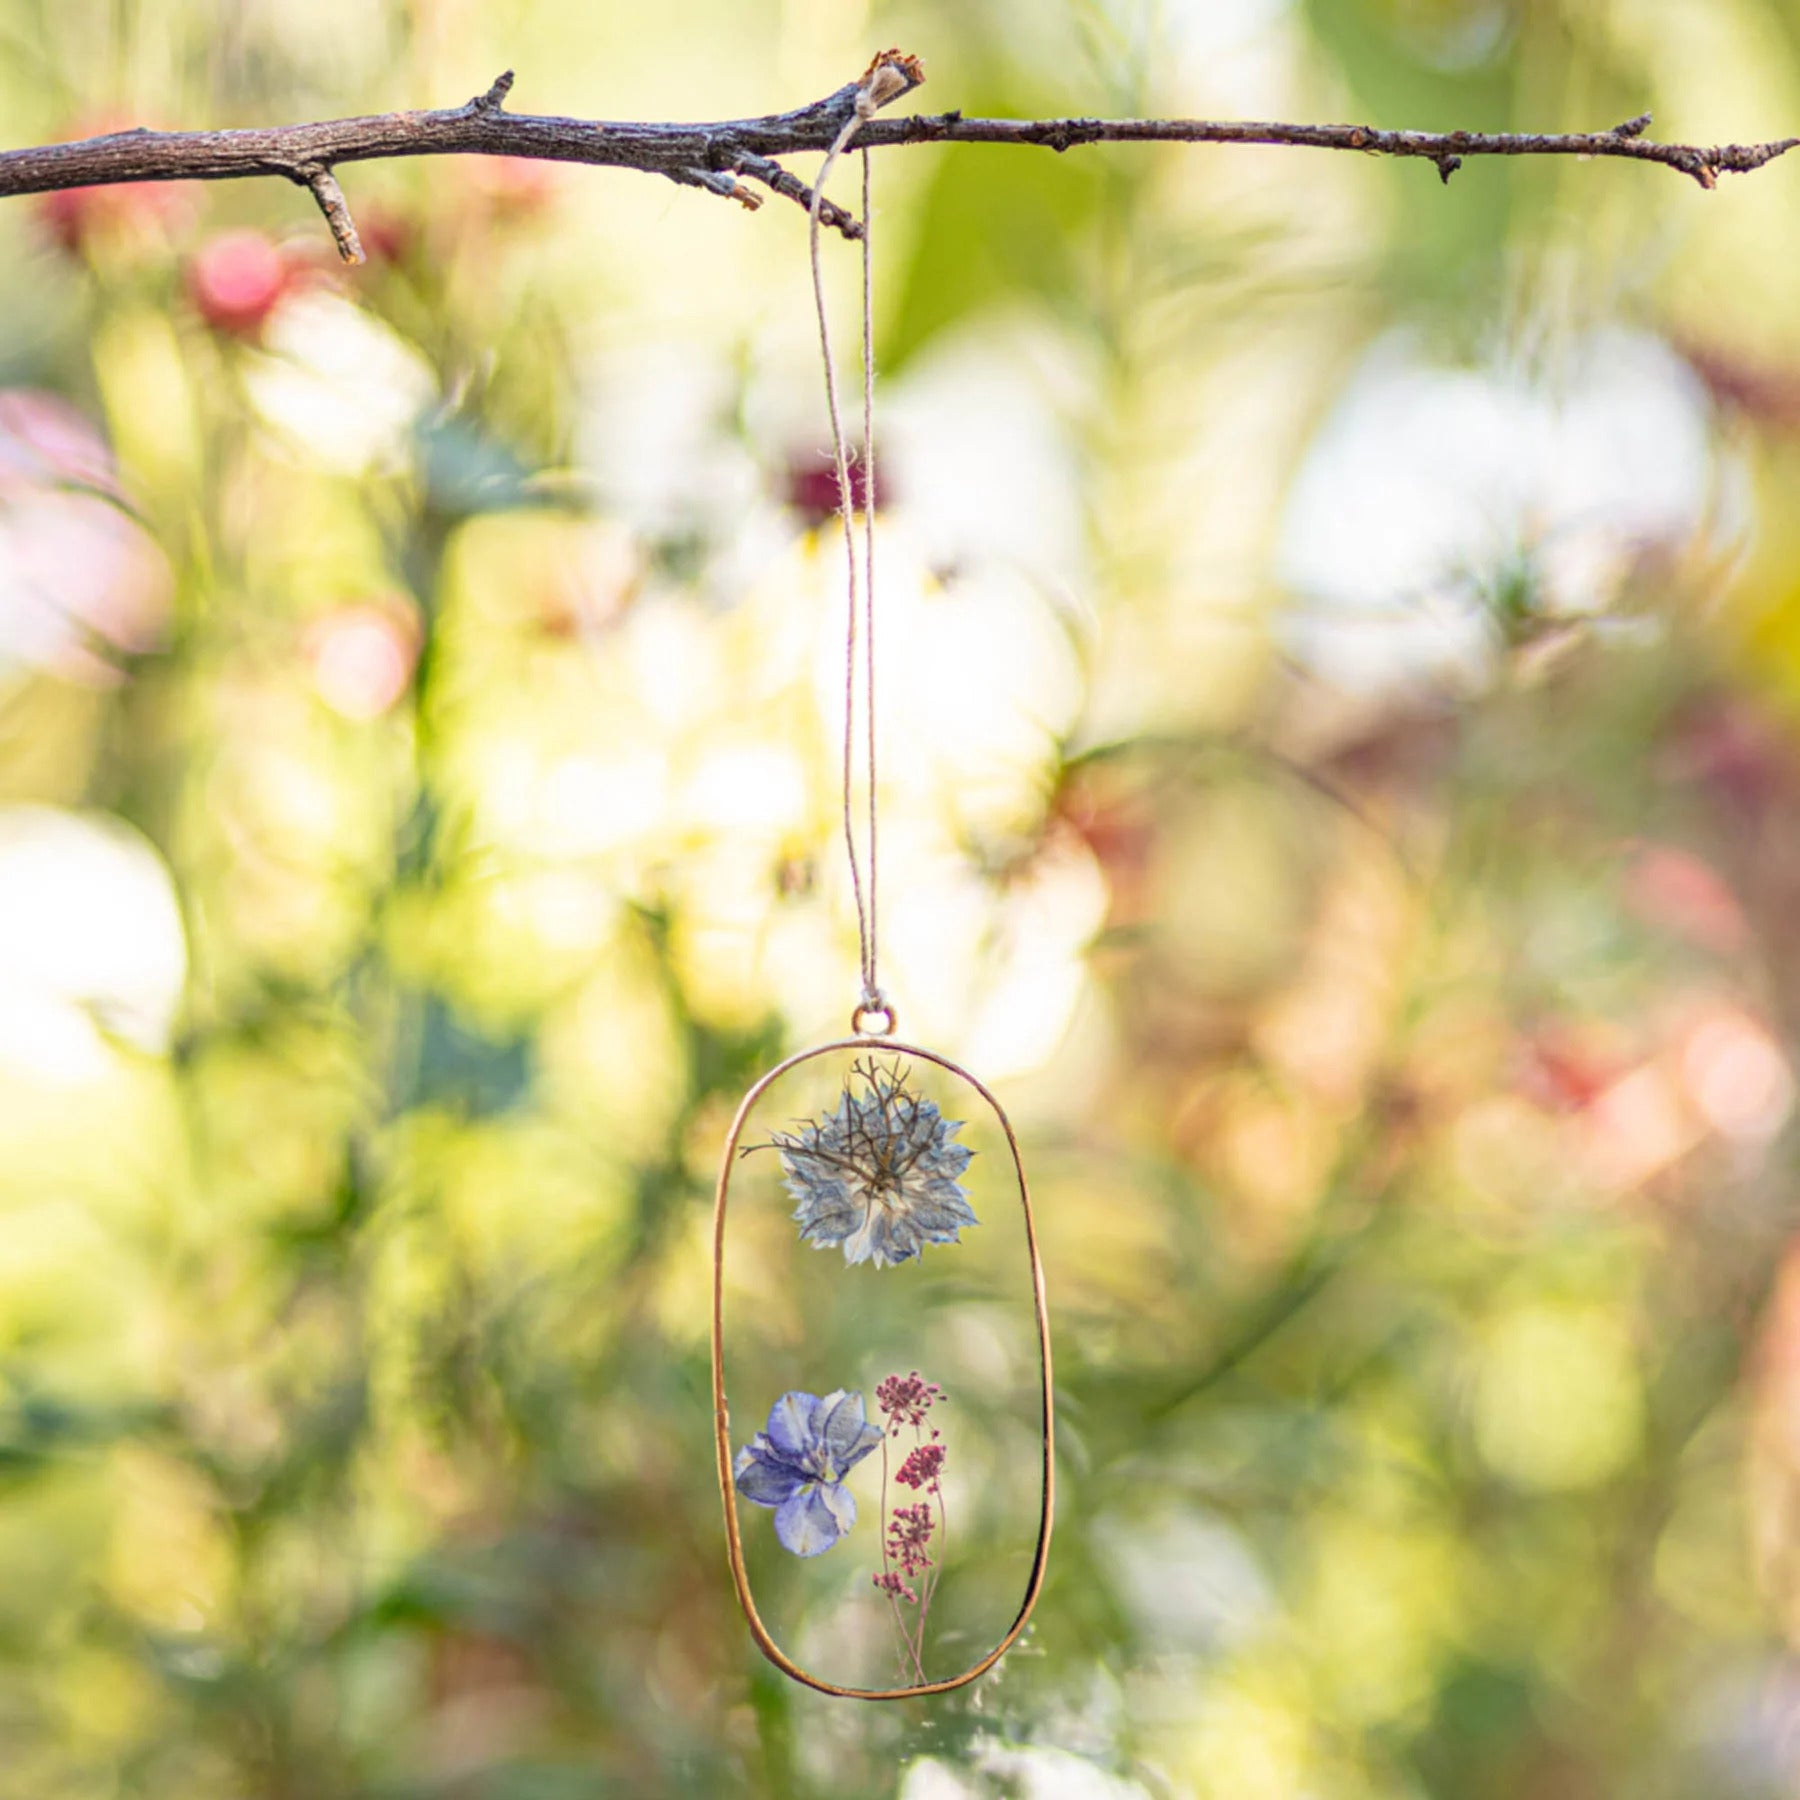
{"x": 798, "y": 1465}
{"x": 879, "y": 1173}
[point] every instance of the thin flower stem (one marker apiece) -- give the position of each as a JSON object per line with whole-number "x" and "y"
{"x": 943, "y": 1539}
{"x": 907, "y": 1649}
{"x": 928, "y": 1585}
{"x": 893, "y": 1598}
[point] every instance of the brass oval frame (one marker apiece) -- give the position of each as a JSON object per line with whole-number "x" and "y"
{"x": 722, "y": 1413}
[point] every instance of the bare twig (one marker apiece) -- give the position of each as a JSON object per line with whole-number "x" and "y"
{"x": 1704, "y": 164}
{"x": 784, "y": 181}
{"x": 713, "y": 156}
{"x": 332, "y": 204}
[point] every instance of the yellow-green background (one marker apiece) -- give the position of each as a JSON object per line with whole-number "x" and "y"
{"x": 1403, "y": 1061}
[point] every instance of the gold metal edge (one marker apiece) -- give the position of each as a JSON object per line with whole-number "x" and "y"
{"x": 722, "y": 1417}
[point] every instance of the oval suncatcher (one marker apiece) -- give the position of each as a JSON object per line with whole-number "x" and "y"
{"x": 903, "y": 1391}
{"x": 888, "y": 1498}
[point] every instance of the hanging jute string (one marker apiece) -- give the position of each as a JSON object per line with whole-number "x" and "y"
{"x": 880, "y": 85}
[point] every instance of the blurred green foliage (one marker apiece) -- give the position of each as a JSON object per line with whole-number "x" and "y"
{"x": 418, "y": 828}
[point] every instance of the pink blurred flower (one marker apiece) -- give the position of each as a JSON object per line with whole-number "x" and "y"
{"x": 812, "y": 487}
{"x": 363, "y": 655}
{"x": 235, "y": 280}
{"x": 1737, "y": 751}
{"x": 1675, "y": 890}
{"x": 76, "y": 219}
{"x": 46, "y": 441}
{"x": 1736, "y": 1076}
{"x": 1566, "y": 1067}
{"x": 388, "y": 235}
{"x": 81, "y": 581}
{"x": 511, "y": 186}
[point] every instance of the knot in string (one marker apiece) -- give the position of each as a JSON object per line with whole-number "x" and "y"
{"x": 887, "y": 78}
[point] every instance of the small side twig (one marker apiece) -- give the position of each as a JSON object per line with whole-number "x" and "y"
{"x": 720, "y": 182}
{"x": 786, "y": 183}
{"x": 336, "y": 209}
{"x": 495, "y": 98}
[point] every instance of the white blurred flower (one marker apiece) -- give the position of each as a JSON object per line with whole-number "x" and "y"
{"x": 978, "y": 681}
{"x": 91, "y": 943}
{"x": 1188, "y": 1579}
{"x": 981, "y": 459}
{"x": 339, "y": 386}
{"x": 1428, "y": 486}
{"x": 1030, "y": 1771}
{"x": 1241, "y": 56}
{"x": 656, "y": 433}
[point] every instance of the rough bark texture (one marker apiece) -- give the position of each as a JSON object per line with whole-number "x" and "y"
{"x": 727, "y": 155}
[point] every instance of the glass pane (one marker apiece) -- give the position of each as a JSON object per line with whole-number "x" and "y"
{"x": 882, "y": 1361}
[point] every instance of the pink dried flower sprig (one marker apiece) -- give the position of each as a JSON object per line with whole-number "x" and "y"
{"x": 909, "y": 1573}
{"x": 906, "y": 1399}
{"x": 909, "y": 1531}
{"x": 895, "y": 1583}
{"x": 920, "y": 1470}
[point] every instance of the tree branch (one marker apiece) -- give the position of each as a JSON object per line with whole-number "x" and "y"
{"x": 719, "y": 156}
{"x": 1704, "y": 164}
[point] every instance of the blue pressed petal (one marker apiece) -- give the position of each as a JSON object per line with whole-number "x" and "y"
{"x": 871, "y": 1436}
{"x": 827, "y": 1217}
{"x": 807, "y": 1523}
{"x": 840, "y": 1503}
{"x": 918, "y": 1125}
{"x": 891, "y": 1247}
{"x": 935, "y": 1193}
{"x": 861, "y": 1244}
{"x": 838, "y": 1426}
{"x": 807, "y": 1174}
{"x": 759, "y": 1449}
{"x": 934, "y": 1215}
{"x": 790, "y": 1420}
{"x": 822, "y": 1407}
{"x": 802, "y": 1168}
{"x": 937, "y": 1184}
{"x": 766, "y": 1483}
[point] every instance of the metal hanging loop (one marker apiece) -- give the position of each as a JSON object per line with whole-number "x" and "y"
{"x": 875, "y": 1006}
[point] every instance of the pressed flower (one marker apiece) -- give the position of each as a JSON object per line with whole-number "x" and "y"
{"x": 909, "y": 1572}
{"x": 921, "y": 1468}
{"x": 906, "y": 1399}
{"x": 797, "y": 1466}
{"x": 879, "y": 1173}
{"x": 908, "y": 1532}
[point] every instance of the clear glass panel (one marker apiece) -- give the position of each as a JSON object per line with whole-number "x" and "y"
{"x": 882, "y": 1363}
